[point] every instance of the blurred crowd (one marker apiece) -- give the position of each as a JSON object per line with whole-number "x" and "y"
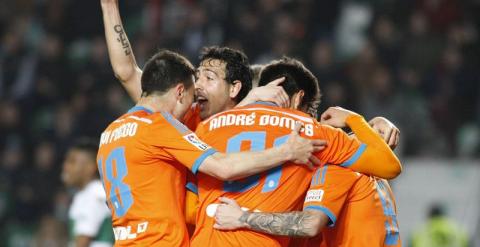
{"x": 414, "y": 62}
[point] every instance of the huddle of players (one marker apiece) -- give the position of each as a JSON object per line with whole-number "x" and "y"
{"x": 144, "y": 155}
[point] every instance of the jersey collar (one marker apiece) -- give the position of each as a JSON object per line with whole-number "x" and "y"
{"x": 140, "y": 108}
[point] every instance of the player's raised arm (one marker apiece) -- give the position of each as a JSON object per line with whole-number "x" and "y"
{"x": 374, "y": 156}
{"x": 229, "y": 216}
{"x": 119, "y": 50}
{"x": 234, "y": 166}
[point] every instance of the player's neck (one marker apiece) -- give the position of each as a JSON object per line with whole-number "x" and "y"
{"x": 84, "y": 183}
{"x": 156, "y": 103}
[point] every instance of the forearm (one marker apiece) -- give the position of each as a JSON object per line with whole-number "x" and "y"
{"x": 244, "y": 164}
{"x": 120, "y": 52}
{"x": 293, "y": 224}
{"x": 249, "y": 99}
{"x": 377, "y": 159}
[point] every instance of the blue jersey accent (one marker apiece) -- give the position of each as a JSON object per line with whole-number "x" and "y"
{"x": 257, "y": 141}
{"x": 355, "y": 156}
{"x": 124, "y": 200}
{"x": 273, "y": 178}
{"x": 267, "y": 103}
{"x": 200, "y": 159}
{"x": 140, "y": 108}
{"x": 192, "y": 187}
{"x": 392, "y": 233}
{"x": 326, "y": 211}
{"x": 175, "y": 123}
{"x": 324, "y": 172}
{"x": 316, "y": 176}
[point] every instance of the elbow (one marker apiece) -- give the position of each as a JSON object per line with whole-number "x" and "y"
{"x": 310, "y": 233}
{"x": 125, "y": 73}
{"x": 394, "y": 168}
{"x": 316, "y": 226}
{"x": 226, "y": 173}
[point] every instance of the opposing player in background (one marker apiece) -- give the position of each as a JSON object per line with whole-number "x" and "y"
{"x": 90, "y": 222}
{"x": 144, "y": 155}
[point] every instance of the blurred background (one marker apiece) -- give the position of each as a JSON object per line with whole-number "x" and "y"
{"x": 414, "y": 62}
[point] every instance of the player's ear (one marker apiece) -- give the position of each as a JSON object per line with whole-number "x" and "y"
{"x": 235, "y": 88}
{"x": 297, "y": 100}
{"x": 180, "y": 92}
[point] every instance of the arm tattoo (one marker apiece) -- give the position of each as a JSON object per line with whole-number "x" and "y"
{"x": 294, "y": 224}
{"x": 122, "y": 38}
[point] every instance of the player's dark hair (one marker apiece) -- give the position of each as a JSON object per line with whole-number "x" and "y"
{"x": 86, "y": 144}
{"x": 297, "y": 78}
{"x": 237, "y": 66}
{"x": 165, "y": 70}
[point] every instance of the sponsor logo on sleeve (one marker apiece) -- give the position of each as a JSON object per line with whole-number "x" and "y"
{"x": 314, "y": 196}
{"x": 195, "y": 141}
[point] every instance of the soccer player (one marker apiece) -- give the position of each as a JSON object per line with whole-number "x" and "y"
{"x": 144, "y": 155}
{"x": 359, "y": 209}
{"x": 89, "y": 217}
{"x": 234, "y": 75}
{"x": 264, "y": 125}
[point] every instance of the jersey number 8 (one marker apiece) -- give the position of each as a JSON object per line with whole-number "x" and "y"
{"x": 119, "y": 195}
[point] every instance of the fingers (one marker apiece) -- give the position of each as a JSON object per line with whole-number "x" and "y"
{"x": 318, "y": 145}
{"x": 227, "y": 201}
{"x": 388, "y": 135}
{"x": 315, "y": 161}
{"x": 219, "y": 227}
{"x": 319, "y": 142}
{"x": 325, "y": 116}
{"x": 297, "y": 128}
{"x": 284, "y": 97}
{"x": 391, "y": 139}
{"x": 277, "y": 81}
{"x": 397, "y": 140}
{"x": 310, "y": 165}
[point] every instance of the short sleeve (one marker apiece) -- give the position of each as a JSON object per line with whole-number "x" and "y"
{"x": 329, "y": 190}
{"x": 341, "y": 149}
{"x": 179, "y": 142}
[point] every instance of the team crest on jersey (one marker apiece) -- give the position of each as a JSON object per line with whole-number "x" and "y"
{"x": 193, "y": 139}
{"x": 314, "y": 196}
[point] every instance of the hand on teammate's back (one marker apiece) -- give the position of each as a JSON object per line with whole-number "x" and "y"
{"x": 336, "y": 117}
{"x": 389, "y": 132}
{"x": 302, "y": 149}
{"x": 272, "y": 92}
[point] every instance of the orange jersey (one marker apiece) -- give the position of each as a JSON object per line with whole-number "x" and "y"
{"x": 361, "y": 209}
{"x": 143, "y": 159}
{"x": 192, "y": 117}
{"x": 257, "y": 127}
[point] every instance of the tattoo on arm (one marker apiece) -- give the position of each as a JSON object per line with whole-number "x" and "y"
{"x": 122, "y": 38}
{"x": 294, "y": 224}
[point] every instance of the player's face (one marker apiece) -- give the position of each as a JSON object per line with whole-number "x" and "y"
{"x": 211, "y": 88}
{"x": 75, "y": 167}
